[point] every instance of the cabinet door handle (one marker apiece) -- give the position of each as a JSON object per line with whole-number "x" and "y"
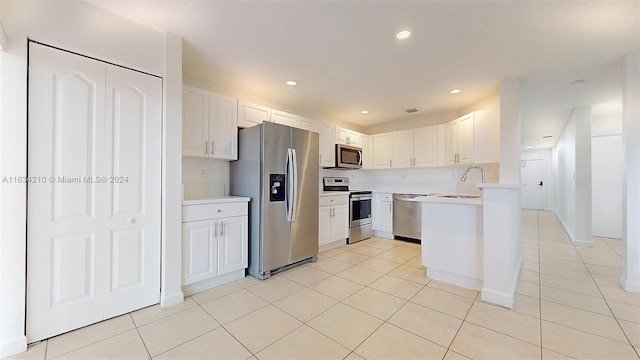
{"x": 215, "y": 229}
{"x": 221, "y": 229}
{"x": 206, "y": 147}
{"x": 389, "y": 163}
{"x": 213, "y": 147}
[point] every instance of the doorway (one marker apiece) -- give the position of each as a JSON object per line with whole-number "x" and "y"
{"x": 532, "y": 173}
{"x": 94, "y": 205}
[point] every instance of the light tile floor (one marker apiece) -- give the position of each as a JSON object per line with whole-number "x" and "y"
{"x": 372, "y": 300}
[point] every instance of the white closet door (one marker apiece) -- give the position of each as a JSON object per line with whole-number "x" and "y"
{"x": 90, "y": 244}
{"x": 134, "y": 133}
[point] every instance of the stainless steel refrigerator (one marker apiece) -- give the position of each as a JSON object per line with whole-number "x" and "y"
{"x": 278, "y": 169}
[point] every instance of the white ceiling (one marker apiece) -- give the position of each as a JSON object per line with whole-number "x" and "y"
{"x": 345, "y": 58}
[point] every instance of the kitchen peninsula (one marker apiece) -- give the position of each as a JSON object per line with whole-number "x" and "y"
{"x": 452, "y": 239}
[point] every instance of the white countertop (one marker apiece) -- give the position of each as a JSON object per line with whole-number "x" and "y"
{"x": 216, "y": 200}
{"x": 330, "y": 193}
{"x": 445, "y": 200}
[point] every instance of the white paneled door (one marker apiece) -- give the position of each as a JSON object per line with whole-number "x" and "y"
{"x": 94, "y": 157}
{"x": 532, "y": 175}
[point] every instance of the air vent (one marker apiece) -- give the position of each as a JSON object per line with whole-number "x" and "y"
{"x": 409, "y": 111}
{"x": 547, "y": 136}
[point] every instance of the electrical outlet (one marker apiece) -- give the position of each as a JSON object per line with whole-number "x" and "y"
{"x": 203, "y": 173}
{"x": 453, "y": 176}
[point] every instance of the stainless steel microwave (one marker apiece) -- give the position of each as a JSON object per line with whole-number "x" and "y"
{"x": 348, "y": 157}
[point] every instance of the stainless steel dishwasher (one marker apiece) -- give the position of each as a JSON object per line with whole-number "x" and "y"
{"x": 407, "y": 216}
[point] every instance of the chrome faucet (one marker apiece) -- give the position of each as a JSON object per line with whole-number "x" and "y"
{"x": 464, "y": 176}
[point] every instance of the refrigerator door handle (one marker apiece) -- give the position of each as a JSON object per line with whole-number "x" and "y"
{"x": 287, "y": 176}
{"x": 294, "y": 201}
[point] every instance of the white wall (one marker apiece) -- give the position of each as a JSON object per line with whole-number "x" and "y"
{"x": 215, "y": 182}
{"x": 573, "y": 177}
{"x": 83, "y": 28}
{"x": 418, "y": 181}
{"x": 607, "y": 168}
{"x": 566, "y": 168}
{"x": 630, "y": 279}
{"x": 549, "y": 181}
{"x": 510, "y": 131}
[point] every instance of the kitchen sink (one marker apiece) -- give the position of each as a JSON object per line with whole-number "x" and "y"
{"x": 460, "y": 196}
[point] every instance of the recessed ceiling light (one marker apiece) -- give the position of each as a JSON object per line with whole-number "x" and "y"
{"x": 403, "y": 34}
{"x": 364, "y": 112}
{"x": 528, "y": 147}
{"x": 455, "y": 91}
{"x": 292, "y": 83}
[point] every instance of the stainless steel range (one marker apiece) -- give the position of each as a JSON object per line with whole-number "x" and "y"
{"x": 360, "y": 224}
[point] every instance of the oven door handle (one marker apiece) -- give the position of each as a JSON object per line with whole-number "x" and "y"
{"x": 359, "y": 198}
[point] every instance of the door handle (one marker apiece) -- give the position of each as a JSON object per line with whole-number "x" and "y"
{"x": 213, "y": 148}
{"x": 215, "y": 229}
{"x": 206, "y": 147}
{"x": 221, "y": 229}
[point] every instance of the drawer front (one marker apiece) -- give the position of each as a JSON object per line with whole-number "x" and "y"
{"x": 334, "y": 200}
{"x": 213, "y": 211}
{"x": 386, "y": 197}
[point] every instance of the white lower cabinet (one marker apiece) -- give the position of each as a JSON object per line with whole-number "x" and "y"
{"x": 333, "y": 219}
{"x": 383, "y": 215}
{"x": 214, "y": 244}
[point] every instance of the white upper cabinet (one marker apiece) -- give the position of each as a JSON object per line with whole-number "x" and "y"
{"x": 440, "y": 145}
{"x": 382, "y": 150}
{"x": 466, "y": 139}
{"x": 223, "y": 127}
{"x": 367, "y": 151}
{"x": 473, "y": 138}
{"x": 451, "y": 141}
{"x": 195, "y": 122}
{"x": 284, "y": 118}
{"x": 348, "y": 137}
{"x": 425, "y": 147}
{"x": 251, "y": 114}
{"x": 402, "y": 148}
{"x": 209, "y": 124}
{"x": 307, "y": 124}
{"x": 327, "y": 144}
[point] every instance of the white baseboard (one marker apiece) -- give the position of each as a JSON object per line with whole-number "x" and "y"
{"x": 13, "y": 347}
{"x": 574, "y": 241}
{"x": 172, "y": 300}
{"x": 383, "y": 234}
{"x": 582, "y": 243}
{"x": 213, "y": 282}
{"x": 331, "y": 245}
{"x": 505, "y": 299}
{"x": 498, "y": 298}
{"x": 455, "y": 279}
{"x": 629, "y": 286}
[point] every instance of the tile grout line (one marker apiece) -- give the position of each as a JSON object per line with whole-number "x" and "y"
{"x": 93, "y": 343}
{"x": 606, "y": 301}
{"x": 601, "y": 296}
